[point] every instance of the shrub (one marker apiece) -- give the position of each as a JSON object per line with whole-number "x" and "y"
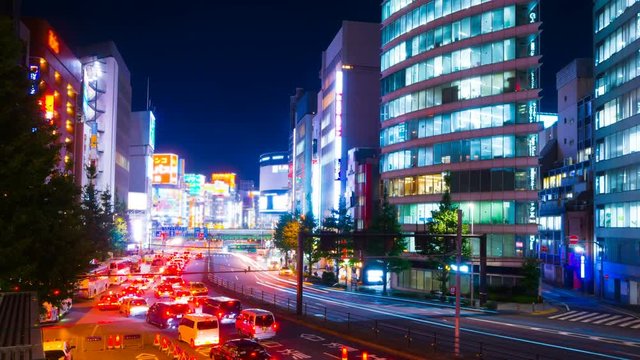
{"x": 329, "y": 278}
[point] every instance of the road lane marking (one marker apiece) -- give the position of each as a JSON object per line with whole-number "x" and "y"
{"x": 607, "y": 319}
{"x": 572, "y": 315}
{"x": 636, "y": 326}
{"x": 630, "y": 323}
{"x": 596, "y": 318}
{"x": 589, "y": 315}
{"x": 331, "y": 355}
{"x": 563, "y": 314}
{"x": 619, "y": 320}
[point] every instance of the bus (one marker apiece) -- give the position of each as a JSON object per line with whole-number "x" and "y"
{"x": 94, "y": 283}
{"x": 119, "y": 271}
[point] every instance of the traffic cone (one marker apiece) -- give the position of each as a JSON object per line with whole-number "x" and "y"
{"x": 165, "y": 344}
{"x": 156, "y": 340}
{"x": 177, "y": 352}
{"x": 117, "y": 342}
{"x": 344, "y": 356}
{"x": 110, "y": 342}
{"x": 365, "y": 356}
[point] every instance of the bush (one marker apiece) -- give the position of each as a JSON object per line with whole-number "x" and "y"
{"x": 329, "y": 278}
{"x": 491, "y": 305}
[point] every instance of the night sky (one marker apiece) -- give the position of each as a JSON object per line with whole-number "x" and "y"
{"x": 221, "y": 72}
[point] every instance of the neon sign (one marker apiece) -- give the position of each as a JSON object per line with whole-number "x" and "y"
{"x": 53, "y": 42}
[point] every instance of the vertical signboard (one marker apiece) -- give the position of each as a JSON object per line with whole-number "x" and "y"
{"x": 165, "y": 169}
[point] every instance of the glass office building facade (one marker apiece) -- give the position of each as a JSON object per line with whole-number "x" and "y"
{"x": 617, "y": 149}
{"x": 460, "y": 91}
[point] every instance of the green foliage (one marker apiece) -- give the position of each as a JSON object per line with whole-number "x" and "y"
{"x": 389, "y": 241}
{"x": 442, "y": 250}
{"x": 340, "y": 222}
{"x": 44, "y": 245}
{"x": 286, "y": 233}
{"x": 329, "y": 278}
{"x": 531, "y": 272}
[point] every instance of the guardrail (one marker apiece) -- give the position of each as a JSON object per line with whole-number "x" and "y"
{"x": 416, "y": 338}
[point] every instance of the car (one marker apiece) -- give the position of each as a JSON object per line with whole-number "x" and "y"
{"x": 163, "y": 290}
{"x": 134, "y": 306}
{"x": 239, "y": 349}
{"x": 131, "y": 291}
{"x": 198, "y": 288}
{"x": 140, "y": 283}
{"x": 285, "y": 271}
{"x": 225, "y": 308}
{"x": 199, "y": 329}
{"x": 166, "y": 315}
{"x": 172, "y": 269}
{"x": 199, "y": 256}
{"x": 109, "y": 302}
{"x": 175, "y": 281}
{"x": 57, "y": 350}
{"x": 256, "y": 324}
{"x": 181, "y": 295}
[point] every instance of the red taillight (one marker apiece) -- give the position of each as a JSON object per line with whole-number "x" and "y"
{"x": 168, "y": 313}
{"x": 253, "y": 354}
{"x": 275, "y": 326}
{"x": 219, "y": 315}
{"x": 254, "y": 328}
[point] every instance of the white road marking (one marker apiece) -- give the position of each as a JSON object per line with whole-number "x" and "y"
{"x": 331, "y": 355}
{"x": 630, "y": 323}
{"x": 563, "y": 314}
{"x": 572, "y": 315}
{"x": 619, "y": 320}
{"x": 585, "y": 316}
{"x": 607, "y": 319}
{"x": 596, "y": 318}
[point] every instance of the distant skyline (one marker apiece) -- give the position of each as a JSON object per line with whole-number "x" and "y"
{"x": 221, "y": 73}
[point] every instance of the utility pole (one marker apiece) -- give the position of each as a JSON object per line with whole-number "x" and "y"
{"x": 299, "y": 258}
{"x": 458, "y": 260}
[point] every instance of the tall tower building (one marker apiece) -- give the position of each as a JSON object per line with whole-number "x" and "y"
{"x": 349, "y": 78}
{"x": 617, "y": 149}
{"x": 460, "y": 93}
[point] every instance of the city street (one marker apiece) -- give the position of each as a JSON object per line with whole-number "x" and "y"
{"x": 535, "y": 333}
{"x": 89, "y": 330}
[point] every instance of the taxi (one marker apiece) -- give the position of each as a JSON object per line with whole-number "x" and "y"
{"x": 57, "y": 349}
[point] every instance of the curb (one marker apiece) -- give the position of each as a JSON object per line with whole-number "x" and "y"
{"x": 545, "y": 312}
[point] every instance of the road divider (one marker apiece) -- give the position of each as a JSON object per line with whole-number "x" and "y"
{"x": 93, "y": 343}
{"x": 132, "y": 341}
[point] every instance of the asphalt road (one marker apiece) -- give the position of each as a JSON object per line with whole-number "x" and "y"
{"x": 89, "y": 329}
{"x": 496, "y": 336}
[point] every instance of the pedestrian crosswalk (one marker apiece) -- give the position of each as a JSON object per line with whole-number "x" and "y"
{"x": 589, "y": 317}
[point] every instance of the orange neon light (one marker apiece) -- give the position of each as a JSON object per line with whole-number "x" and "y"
{"x": 53, "y": 42}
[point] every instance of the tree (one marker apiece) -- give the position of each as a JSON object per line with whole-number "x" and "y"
{"x": 531, "y": 272}
{"x": 442, "y": 250}
{"x": 44, "y": 245}
{"x": 311, "y": 244}
{"x": 95, "y": 215}
{"x": 285, "y": 236}
{"x": 340, "y": 222}
{"x": 389, "y": 244}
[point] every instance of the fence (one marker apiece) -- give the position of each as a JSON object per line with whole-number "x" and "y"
{"x": 415, "y": 338}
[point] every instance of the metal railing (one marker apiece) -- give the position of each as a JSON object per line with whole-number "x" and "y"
{"x": 400, "y": 334}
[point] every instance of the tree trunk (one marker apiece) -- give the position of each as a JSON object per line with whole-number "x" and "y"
{"x": 384, "y": 278}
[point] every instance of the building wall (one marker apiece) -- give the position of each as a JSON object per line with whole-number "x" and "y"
{"x": 460, "y": 91}
{"x": 617, "y": 150}
{"x": 349, "y": 82}
{"x": 120, "y": 102}
{"x": 55, "y": 73}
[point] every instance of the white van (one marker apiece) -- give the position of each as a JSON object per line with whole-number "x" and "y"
{"x": 256, "y": 323}
{"x": 199, "y": 329}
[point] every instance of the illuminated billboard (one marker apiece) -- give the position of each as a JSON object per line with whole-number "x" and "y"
{"x": 274, "y": 202}
{"x": 165, "y": 169}
{"x": 274, "y": 177}
{"x": 167, "y": 205}
{"x": 222, "y": 184}
{"x": 194, "y": 184}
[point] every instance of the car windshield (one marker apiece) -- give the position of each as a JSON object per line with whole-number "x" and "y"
{"x": 207, "y": 325}
{"x": 54, "y": 354}
{"x": 138, "y": 302}
{"x": 245, "y": 351}
{"x": 197, "y": 285}
{"x": 264, "y": 320}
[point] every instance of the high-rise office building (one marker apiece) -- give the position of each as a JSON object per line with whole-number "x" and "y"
{"x": 305, "y": 154}
{"x": 460, "y": 93}
{"x": 617, "y": 149}
{"x": 349, "y": 75}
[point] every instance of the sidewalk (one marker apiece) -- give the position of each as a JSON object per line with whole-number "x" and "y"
{"x": 575, "y": 299}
